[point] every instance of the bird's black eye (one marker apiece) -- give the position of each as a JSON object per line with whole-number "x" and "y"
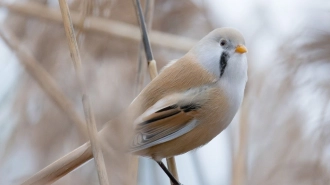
{"x": 223, "y": 42}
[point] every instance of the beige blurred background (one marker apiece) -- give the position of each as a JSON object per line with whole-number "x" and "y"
{"x": 281, "y": 134}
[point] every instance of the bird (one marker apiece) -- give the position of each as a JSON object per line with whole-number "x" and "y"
{"x": 192, "y": 100}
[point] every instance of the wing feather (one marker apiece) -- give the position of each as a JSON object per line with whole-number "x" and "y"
{"x": 168, "y": 119}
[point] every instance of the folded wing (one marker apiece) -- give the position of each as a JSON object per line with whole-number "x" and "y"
{"x": 168, "y": 119}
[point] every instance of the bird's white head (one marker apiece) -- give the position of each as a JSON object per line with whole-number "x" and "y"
{"x": 222, "y": 53}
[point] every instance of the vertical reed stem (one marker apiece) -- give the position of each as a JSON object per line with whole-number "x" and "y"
{"x": 91, "y": 125}
{"x": 239, "y": 164}
{"x": 152, "y": 66}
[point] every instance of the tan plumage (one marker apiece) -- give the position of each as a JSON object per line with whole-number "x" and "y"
{"x": 185, "y": 106}
{"x": 205, "y": 131}
{"x": 163, "y": 86}
{"x": 191, "y": 101}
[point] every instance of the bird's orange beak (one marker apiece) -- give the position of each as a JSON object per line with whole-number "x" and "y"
{"x": 241, "y": 49}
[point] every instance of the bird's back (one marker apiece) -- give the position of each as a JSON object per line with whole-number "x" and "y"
{"x": 177, "y": 77}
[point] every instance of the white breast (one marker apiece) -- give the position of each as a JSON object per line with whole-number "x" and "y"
{"x": 234, "y": 80}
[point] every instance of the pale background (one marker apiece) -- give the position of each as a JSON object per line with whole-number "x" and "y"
{"x": 287, "y": 96}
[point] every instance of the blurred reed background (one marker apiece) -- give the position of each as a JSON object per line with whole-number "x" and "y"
{"x": 280, "y": 136}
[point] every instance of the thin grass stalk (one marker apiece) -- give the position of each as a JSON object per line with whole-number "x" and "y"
{"x": 148, "y": 13}
{"x": 69, "y": 162}
{"x": 171, "y": 165}
{"x": 62, "y": 166}
{"x": 96, "y": 147}
{"x": 87, "y": 11}
{"x": 152, "y": 66}
{"x": 91, "y": 125}
{"x": 82, "y": 154}
{"x": 239, "y": 176}
{"x": 43, "y": 78}
{"x": 102, "y": 25}
{"x": 77, "y": 157}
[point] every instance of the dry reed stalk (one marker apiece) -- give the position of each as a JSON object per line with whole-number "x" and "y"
{"x": 87, "y": 11}
{"x": 82, "y": 154}
{"x": 239, "y": 175}
{"x": 62, "y": 166}
{"x": 102, "y": 25}
{"x": 77, "y": 157}
{"x": 148, "y": 13}
{"x": 152, "y": 68}
{"x": 46, "y": 82}
{"x": 171, "y": 165}
{"x": 96, "y": 148}
{"x": 91, "y": 125}
{"x": 152, "y": 65}
{"x": 134, "y": 163}
{"x": 149, "y": 10}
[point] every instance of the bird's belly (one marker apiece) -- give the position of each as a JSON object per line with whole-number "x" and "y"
{"x": 199, "y": 136}
{"x": 213, "y": 119}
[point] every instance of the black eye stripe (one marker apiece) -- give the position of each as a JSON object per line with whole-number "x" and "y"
{"x": 223, "y": 62}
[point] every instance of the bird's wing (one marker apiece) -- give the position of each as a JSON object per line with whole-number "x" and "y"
{"x": 167, "y": 119}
